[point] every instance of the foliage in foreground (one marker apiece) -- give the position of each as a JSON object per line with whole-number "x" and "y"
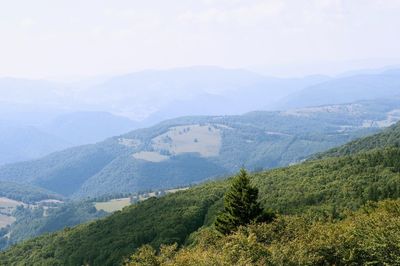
{"x": 369, "y": 236}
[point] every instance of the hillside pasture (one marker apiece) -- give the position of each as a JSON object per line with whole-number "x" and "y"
{"x": 202, "y": 139}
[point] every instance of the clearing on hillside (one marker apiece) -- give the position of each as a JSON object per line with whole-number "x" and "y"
{"x": 202, "y": 139}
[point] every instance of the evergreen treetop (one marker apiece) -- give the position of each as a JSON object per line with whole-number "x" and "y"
{"x": 240, "y": 205}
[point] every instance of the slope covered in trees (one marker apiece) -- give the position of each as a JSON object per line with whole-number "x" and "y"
{"x": 322, "y": 189}
{"x": 390, "y": 137}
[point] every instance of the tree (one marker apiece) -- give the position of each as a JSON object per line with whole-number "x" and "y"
{"x": 241, "y": 206}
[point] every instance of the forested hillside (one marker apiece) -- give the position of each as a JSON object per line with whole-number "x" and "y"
{"x": 320, "y": 190}
{"x": 190, "y": 150}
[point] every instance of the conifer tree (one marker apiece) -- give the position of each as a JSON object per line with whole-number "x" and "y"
{"x": 241, "y": 206}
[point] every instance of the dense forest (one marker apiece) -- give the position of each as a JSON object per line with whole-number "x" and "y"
{"x": 322, "y": 191}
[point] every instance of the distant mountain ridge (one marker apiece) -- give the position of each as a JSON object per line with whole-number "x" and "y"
{"x": 219, "y": 91}
{"x": 189, "y": 150}
{"x": 79, "y": 128}
{"x": 21, "y": 142}
{"x": 347, "y": 89}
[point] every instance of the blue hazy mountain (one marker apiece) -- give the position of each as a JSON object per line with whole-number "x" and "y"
{"x": 24, "y": 141}
{"x": 347, "y": 89}
{"x": 80, "y": 128}
{"x": 19, "y": 143}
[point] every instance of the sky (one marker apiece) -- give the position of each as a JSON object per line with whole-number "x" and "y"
{"x": 78, "y": 38}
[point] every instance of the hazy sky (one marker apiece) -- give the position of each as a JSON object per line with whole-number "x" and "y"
{"x": 66, "y": 38}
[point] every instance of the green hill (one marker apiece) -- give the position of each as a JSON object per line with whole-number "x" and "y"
{"x": 190, "y": 150}
{"x": 324, "y": 188}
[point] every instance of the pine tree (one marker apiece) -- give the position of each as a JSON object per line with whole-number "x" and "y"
{"x": 240, "y": 205}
